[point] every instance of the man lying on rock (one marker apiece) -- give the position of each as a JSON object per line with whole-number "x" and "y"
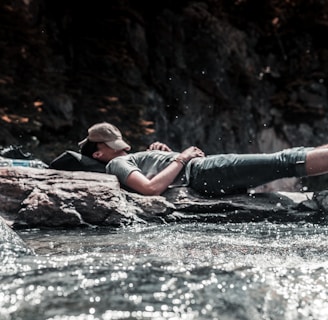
{"x": 151, "y": 172}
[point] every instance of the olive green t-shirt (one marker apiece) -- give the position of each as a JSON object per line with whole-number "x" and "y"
{"x": 149, "y": 163}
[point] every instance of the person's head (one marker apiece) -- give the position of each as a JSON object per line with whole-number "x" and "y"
{"x": 104, "y": 142}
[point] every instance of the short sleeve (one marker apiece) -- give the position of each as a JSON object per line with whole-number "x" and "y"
{"x": 121, "y": 168}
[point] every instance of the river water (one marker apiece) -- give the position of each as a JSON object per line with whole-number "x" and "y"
{"x": 170, "y": 271}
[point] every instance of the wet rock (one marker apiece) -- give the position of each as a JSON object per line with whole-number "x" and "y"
{"x": 11, "y": 245}
{"x": 270, "y": 206}
{"x": 46, "y": 198}
{"x": 320, "y": 202}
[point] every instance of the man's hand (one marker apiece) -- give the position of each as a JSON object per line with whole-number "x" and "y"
{"x": 190, "y": 153}
{"x": 159, "y": 146}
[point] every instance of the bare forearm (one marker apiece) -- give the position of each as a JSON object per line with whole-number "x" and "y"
{"x": 156, "y": 185}
{"x": 159, "y": 183}
{"x": 162, "y": 180}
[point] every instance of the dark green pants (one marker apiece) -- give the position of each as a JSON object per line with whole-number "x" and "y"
{"x": 231, "y": 173}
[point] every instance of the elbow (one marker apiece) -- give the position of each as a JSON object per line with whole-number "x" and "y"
{"x": 144, "y": 186}
{"x": 150, "y": 191}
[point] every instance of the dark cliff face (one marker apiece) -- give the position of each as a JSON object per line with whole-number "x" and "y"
{"x": 229, "y": 76}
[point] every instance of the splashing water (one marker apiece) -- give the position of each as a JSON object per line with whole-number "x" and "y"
{"x": 173, "y": 271}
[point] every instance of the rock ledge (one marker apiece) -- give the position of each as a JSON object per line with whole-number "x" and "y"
{"x": 46, "y": 198}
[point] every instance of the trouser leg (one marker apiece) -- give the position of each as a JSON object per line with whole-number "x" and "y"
{"x": 228, "y": 173}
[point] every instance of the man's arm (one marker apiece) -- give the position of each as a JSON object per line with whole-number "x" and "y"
{"x": 159, "y": 183}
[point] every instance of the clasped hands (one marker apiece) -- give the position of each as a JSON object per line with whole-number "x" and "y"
{"x": 186, "y": 155}
{"x": 190, "y": 153}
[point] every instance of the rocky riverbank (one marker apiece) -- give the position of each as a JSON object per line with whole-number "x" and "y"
{"x": 47, "y": 198}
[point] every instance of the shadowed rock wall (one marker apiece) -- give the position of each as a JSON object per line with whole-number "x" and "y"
{"x": 243, "y": 76}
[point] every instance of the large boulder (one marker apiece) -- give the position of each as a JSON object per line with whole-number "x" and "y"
{"x": 31, "y": 197}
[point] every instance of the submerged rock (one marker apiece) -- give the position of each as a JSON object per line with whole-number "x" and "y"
{"x": 33, "y": 197}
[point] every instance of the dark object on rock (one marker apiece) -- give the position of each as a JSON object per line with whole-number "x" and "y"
{"x": 14, "y": 156}
{"x": 15, "y": 152}
{"x": 74, "y": 161}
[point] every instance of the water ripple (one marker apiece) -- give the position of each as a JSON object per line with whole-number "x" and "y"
{"x": 176, "y": 271}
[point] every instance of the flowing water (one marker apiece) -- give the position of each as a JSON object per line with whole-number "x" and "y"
{"x": 170, "y": 271}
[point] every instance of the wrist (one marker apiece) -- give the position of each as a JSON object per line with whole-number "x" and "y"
{"x": 181, "y": 160}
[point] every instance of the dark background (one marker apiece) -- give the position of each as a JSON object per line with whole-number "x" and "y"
{"x": 228, "y": 76}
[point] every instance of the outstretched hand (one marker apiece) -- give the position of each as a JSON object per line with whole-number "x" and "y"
{"x": 159, "y": 146}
